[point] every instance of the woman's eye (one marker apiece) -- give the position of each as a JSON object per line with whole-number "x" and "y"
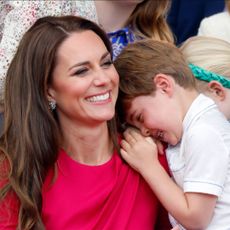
{"x": 108, "y": 63}
{"x": 80, "y": 71}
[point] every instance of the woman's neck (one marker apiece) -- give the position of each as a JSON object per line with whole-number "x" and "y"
{"x": 112, "y": 15}
{"x": 90, "y": 146}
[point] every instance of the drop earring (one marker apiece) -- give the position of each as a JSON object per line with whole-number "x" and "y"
{"x": 52, "y": 105}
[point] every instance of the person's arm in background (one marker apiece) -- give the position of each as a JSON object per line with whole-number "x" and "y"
{"x": 17, "y": 20}
{"x": 205, "y": 28}
{"x": 217, "y": 25}
{"x": 18, "y": 16}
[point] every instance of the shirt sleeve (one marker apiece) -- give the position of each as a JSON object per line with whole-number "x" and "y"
{"x": 207, "y": 158}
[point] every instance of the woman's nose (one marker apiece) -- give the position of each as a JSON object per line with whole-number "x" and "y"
{"x": 101, "y": 78}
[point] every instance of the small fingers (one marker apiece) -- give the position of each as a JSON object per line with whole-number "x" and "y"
{"x": 133, "y": 134}
{"x": 160, "y": 147}
{"x": 150, "y": 140}
{"x": 129, "y": 138}
{"x": 124, "y": 154}
{"x": 125, "y": 145}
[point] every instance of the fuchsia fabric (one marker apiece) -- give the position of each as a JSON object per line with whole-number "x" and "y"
{"x": 9, "y": 206}
{"x": 110, "y": 196}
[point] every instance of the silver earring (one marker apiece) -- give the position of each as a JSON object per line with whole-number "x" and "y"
{"x": 52, "y": 105}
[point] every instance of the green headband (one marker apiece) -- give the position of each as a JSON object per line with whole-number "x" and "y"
{"x": 205, "y": 75}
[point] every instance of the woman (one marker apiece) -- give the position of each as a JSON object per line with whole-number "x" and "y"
{"x": 60, "y": 166}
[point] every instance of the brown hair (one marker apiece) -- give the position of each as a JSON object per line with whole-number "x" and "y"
{"x": 30, "y": 140}
{"x": 227, "y": 3}
{"x": 139, "y": 62}
{"x": 149, "y": 19}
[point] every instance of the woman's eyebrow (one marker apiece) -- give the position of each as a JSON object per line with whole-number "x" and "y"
{"x": 87, "y": 62}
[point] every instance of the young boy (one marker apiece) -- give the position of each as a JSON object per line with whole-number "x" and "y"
{"x": 158, "y": 96}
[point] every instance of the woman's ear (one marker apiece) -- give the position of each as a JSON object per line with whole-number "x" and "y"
{"x": 164, "y": 83}
{"x": 50, "y": 94}
{"x": 217, "y": 90}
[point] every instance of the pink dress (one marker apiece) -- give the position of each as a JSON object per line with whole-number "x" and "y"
{"x": 109, "y": 196}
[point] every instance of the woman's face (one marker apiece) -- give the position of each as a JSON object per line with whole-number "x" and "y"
{"x": 84, "y": 82}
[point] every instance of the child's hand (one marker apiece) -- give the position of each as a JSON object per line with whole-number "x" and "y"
{"x": 160, "y": 147}
{"x": 139, "y": 151}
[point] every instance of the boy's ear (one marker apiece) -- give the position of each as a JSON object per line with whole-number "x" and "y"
{"x": 164, "y": 83}
{"x": 216, "y": 88}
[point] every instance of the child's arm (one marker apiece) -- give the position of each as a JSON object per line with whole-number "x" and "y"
{"x": 192, "y": 210}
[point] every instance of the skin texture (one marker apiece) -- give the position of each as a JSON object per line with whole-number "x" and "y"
{"x": 77, "y": 80}
{"x": 112, "y": 15}
{"x": 84, "y": 87}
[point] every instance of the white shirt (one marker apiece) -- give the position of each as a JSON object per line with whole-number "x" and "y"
{"x": 217, "y": 25}
{"x": 201, "y": 161}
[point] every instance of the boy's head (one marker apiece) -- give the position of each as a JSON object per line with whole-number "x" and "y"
{"x": 154, "y": 78}
{"x": 140, "y": 62}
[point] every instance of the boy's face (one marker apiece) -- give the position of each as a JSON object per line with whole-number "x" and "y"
{"x": 156, "y": 115}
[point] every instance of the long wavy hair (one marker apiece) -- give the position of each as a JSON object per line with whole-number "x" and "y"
{"x": 148, "y": 20}
{"x": 31, "y": 137}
